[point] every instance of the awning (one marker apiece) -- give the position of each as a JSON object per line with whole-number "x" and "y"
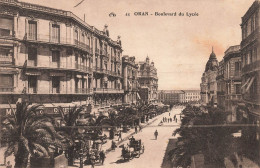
{"x": 245, "y": 83}
{"x": 129, "y": 83}
{"x": 138, "y": 96}
{"x": 78, "y": 76}
{"x": 250, "y": 83}
{"x": 57, "y": 74}
{"x": 33, "y": 73}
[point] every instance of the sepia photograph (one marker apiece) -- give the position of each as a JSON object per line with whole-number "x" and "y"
{"x": 129, "y": 84}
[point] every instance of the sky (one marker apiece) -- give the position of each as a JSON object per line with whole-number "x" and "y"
{"x": 179, "y": 45}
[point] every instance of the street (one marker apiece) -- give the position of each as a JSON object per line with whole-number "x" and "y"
{"x": 154, "y": 149}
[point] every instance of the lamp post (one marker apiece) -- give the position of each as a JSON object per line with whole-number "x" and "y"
{"x": 81, "y": 131}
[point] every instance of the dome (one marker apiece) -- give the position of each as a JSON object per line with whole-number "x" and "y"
{"x": 212, "y": 63}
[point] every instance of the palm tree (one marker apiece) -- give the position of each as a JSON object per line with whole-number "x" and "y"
{"x": 203, "y": 133}
{"x": 29, "y": 132}
{"x": 69, "y": 120}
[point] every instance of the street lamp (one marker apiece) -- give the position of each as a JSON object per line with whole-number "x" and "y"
{"x": 81, "y": 131}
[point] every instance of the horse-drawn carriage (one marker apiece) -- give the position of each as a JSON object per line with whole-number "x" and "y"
{"x": 134, "y": 149}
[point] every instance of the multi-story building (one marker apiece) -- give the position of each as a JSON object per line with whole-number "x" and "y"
{"x": 250, "y": 58}
{"x": 208, "y": 81}
{"x": 130, "y": 85}
{"x": 232, "y": 77}
{"x": 147, "y": 78}
{"x": 51, "y": 56}
{"x": 191, "y": 95}
{"x": 229, "y": 81}
{"x": 107, "y": 71}
{"x": 170, "y": 96}
{"x": 221, "y": 85}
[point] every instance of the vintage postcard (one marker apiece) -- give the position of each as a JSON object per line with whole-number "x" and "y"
{"x": 129, "y": 83}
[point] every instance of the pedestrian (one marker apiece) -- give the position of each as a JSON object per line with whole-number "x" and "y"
{"x": 113, "y": 145}
{"x": 174, "y": 117}
{"x": 156, "y": 134}
{"x": 9, "y": 165}
{"x": 102, "y": 156}
{"x": 176, "y": 120}
{"x": 170, "y": 119}
{"x": 92, "y": 160}
{"x": 136, "y": 129}
{"x": 120, "y": 136}
{"x": 140, "y": 128}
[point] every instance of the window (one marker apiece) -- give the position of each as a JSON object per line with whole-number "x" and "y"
{"x": 32, "y": 84}
{"x": 76, "y": 36}
{"x": 6, "y": 81}
{"x": 55, "y": 84}
{"x": 55, "y": 33}
{"x": 55, "y": 56}
{"x": 238, "y": 88}
{"x": 32, "y": 30}
{"x": 6, "y": 26}
{"x": 32, "y": 53}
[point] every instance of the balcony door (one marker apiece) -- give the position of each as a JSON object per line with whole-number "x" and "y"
{"x": 55, "y": 33}
{"x": 55, "y": 84}
{"x": 32, "y": 84}
{"x": 32, "y": 30}
{"x": 32, "y": 56}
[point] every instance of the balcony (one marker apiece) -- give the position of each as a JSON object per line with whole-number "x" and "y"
{"x": 107, "y": 90}
{"x": 6, "y": 60}
{"x": 83, "y": 90}
{"x": 234, "y": 97}
{"x": 6, "y": 33}
{"x": 83, "y": 67}
{"x": 31, "y": 63}
{"x": 255, "y": 66}
{"x": 6, "y": 89}
{"x": 103, "y": 53}
{"x": 55, "y": 65}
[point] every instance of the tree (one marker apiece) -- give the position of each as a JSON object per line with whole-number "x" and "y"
{"x": 69, "y": 121}
{"x": 206, "y": 133}
{"x": 29, "y": 132}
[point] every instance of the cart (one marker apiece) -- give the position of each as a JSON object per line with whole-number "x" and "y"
{"x": 134, "y": 149}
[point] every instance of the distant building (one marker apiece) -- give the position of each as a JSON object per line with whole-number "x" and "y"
{"x": 191, "y": 95}
{"x": 170, "y": 96}
{"x": 208, "y": 81}
{"x": 130, "y": 85}
{"x": 179, "y": 96}
{"x": 147, "y": 78}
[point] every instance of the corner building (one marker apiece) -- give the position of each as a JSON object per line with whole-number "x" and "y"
{"x": 148, "y": 80}
{"x": 208, "y": 81}
{"x": 51, "y": 56}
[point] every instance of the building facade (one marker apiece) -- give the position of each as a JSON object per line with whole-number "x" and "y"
{"x": 208, "y": 81}
{"x": 170, "y": 96}
{"x": 51, "y": 56}
{"x": 249, "y": 110}
{"x": 221, "y": 85}
{"x": 130, "y": 85}
{"x": 191, "y": 95}
{"x": 147, "y": 78}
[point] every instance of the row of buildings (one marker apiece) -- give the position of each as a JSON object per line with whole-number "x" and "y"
{"x": 178, "y": 96}
{"x": 53, "y": 57}
{"x": 233, "y": 84}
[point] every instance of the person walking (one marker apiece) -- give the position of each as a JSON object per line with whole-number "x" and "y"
{"x": 102, "y": 156}
{"x": 135, "y": 129}
{"x": 170, "y": 119}
{"x": 120, "y": 135}
{"x": 156, "y": 134}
